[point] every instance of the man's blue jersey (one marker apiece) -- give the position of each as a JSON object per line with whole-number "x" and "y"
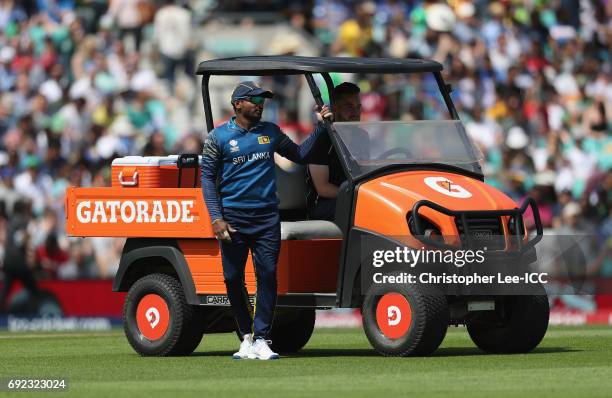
{"x": 241, "y": 162}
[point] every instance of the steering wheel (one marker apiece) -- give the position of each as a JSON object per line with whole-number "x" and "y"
{"x": 395, "y": 151}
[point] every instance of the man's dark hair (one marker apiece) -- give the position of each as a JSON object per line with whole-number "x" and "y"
{"x": 344, "y": 90}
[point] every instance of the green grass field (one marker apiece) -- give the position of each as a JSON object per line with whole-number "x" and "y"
{"x": 571, "y": 361}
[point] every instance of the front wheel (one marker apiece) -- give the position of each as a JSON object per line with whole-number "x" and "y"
{"x": 518, "y": 326}
{"x": 157, "y": 319}
{"x": 405, "y": 320}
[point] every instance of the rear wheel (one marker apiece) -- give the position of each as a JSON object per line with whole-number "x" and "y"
{"x": 405, "y": 320}
{"x": 157, "y": 319}
{"x": 292, "y": 329}
{"x": 517, "y": 326}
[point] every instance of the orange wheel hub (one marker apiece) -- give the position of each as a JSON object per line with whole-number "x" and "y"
{"x": 152, "y": 316}
{"x": 393, "y": 315}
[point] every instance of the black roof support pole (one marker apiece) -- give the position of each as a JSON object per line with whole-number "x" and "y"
{"x": 329, "y": 83}
{"x": 206, "y": 100}
{"x": 446, "y": 95}
{"x": 316, "y": 93}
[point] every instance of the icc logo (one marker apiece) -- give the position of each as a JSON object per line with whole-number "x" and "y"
{"x": 152, "y": 315}
{"x": 394, "y": 315}
{"x": 234, "y": 146}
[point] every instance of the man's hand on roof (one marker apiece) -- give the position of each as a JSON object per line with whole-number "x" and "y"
{"x": 324, "y": 113}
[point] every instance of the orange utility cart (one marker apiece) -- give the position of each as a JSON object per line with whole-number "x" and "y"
{"x": 410, "y": 186}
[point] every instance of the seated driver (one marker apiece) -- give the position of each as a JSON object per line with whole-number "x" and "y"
{"x": 324, "y": 179}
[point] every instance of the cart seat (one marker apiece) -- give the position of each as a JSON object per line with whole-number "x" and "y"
{"x": 291, "y": 191}
{"x": 313, "y": 229}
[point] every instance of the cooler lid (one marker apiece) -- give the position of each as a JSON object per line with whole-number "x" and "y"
{"x": 153, "y": 161}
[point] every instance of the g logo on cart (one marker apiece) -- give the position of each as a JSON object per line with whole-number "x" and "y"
{"x": 447, "y": 187}
{"x": 393, "y": 315}
{"x": 153, "y": 316}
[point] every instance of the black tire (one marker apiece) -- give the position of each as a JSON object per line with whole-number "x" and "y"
{"x": 428, "y": 325}
{"x": 292, "y": 329}
{"x": 517, "y": 326}
{"x": 184, "y": 331}
{"x": 193, "y": 336}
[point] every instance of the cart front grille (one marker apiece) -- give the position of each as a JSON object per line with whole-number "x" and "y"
{"x": 481, "y": 232}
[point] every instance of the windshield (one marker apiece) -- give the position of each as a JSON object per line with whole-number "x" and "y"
{"x": 368, "y": 146}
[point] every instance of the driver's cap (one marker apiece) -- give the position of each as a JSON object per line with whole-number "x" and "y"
{"x": 250, "y": 89}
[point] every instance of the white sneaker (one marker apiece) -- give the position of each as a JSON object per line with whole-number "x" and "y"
{"x": 261, "y": 350}
{"x": 245, "y": 347}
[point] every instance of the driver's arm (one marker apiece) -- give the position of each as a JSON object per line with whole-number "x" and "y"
{"x": 304, "y": 153}
{"x": 320, "y": 179}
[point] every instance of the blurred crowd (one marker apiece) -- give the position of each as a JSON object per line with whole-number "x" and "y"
{"x": 83, "y": 82}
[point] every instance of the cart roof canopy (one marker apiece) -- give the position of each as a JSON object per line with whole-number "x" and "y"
{"x": 293, "y": 65}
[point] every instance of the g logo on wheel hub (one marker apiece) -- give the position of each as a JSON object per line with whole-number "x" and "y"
{"x": 393, "y": 315}
{"x": 152, "y": 316}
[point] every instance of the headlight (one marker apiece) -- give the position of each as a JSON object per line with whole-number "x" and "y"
{"x": 429, "y": 229}
{"x": 515, "y": 223}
